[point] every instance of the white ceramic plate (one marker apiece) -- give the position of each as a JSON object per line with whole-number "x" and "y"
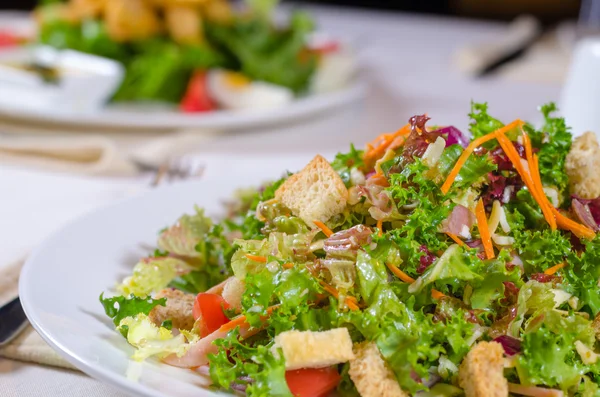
{"x": 148, "y": 117}
{"x": 61, "y": 281}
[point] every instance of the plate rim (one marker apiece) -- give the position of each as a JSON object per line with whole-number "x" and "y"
{"x": 117, "y": 381}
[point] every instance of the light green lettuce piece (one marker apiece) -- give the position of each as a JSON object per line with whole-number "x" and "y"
{"x": 183, "y": 237}
{"x": 453, "y": 264}
{"x": 150, "y": 340}
{"x": 153, "y": 274}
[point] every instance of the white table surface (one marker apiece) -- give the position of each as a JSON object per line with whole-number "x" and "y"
{"x": 407, "y": 61}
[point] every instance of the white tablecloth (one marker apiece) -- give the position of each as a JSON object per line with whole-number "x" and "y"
{"x": 407, "y": 61}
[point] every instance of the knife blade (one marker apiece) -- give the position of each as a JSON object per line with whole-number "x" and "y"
{"x": 12, "y": 321}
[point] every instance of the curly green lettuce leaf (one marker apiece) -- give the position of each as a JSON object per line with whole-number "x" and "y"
{"x": 237, "y": 361}
{"x": 150, "y": 340}
{"x": 473, "y": 172}
{"x": 481, "y": 122}
{"x": 343, "y": 163}
{"x": 534, "y": 299}
{"x": 251, "y": 227}
{"x": 549, "y": 355}
{"x": 582, "y": 275}
{"x": 454, "y": 264}
{"x": 263, "y": 52}
{"x": 120, "y": 307}
{"x": 153, "y": 274}
{"x": 488, "y": 291}
{"x": 540, "y": 250}
{"x": 554, "y": 140}
{"x": 428, "y": 209}
{"x": 183, "y": 237}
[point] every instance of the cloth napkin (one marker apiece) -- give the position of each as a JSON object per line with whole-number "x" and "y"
{"x": 105, "y": 152}
{"x": 28, "y": 346}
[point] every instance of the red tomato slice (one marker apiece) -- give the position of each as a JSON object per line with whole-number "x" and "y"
{"x": 327, "y": 47}
{"x": 209, "y": 307}
{"x": 8, "y": 39}
{"x": 196, "y": 98}
{"x": 312, "y": 382}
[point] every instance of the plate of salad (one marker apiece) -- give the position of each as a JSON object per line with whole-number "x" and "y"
{"x": 196, "y": 63}
{"x": 432, "y": 262}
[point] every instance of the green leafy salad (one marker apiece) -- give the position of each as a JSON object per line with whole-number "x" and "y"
{"x": 430, "y": 263}
{"x": 201, "y": 54}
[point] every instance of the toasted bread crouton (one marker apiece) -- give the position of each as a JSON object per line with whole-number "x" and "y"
{"x": 178, "y": 309}
{"x": 233, "y": 291}
{"x": 582, "y": 165}
{"x": 308, "y": 349}
{"x": 371, "y": 374}
{"x": 481, "y": 373}
{"x": 314, "y": 194}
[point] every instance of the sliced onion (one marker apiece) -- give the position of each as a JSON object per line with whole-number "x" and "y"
{"x": 503, "y": 221}
{"x": 454, "y": 136}
{"x": 583, "y": 214}
{"x": 494, "y": 220}
{"x": 434, "y": 152}
{"x": 503, "y": 240}
{"x": 534, "y": 391}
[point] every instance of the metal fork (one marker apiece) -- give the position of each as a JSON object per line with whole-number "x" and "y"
{"x": 174, "y": 168}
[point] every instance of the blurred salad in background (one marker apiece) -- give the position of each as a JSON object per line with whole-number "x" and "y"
{"x": 201, "y": 54}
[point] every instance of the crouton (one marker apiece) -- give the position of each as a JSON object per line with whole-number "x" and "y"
{"x": 314, "y": 194}
{"x": 233, "y": 291}
{"x": 178, "y": 309}
{"x": 582, "y": 165}
{"x": 481, "y": 373}
{"x": 307, "y": 349}
{"x": 371, "y": 374}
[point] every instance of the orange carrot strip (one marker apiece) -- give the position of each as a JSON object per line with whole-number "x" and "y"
{"x": 435, "y": 294}
{"x": 384, "y": 141}
{"x": 537, "y": 183}
{"x": 241, "y": 320}
{"x": 484, "y": 232}
{"x": 287, "y": 265}
{"x": 578, "y": 229}
{"x": 467, "y": 152}
{"x": 327, "y": 231}
{"x": 538, "y": 180}
{"x": 257, "y": 258}
{"x": 515, "y": 159}
{"x": 400, "y": 274}
{"x": 380, "y": 227}
{"x": 551, "y": 270}
{"x": 457, "y": 240}
{"x": 350, "y": 300}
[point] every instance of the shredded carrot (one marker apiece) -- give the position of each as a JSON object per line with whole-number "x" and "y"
{"x": 551, "y": 270}
{"x": 537, "y": 183}
{"x": 537, "y": 179}
{"x": 484, "y": 232}
{"x": 379, "y": 179}
{"x": 469, "y": 150}
{"x": 578, "y": 229}
{"x": 241, "y": 320}
{"x": 515, "y": 159}
{"x": 380, "y": 144}
{"x": 257, "y": 258}
{"x": 408, "y": 279}
{"x": 288, "y": 265}
{"x": 457, "y": 240}
{"x": 327, "y": 231}
{"x": 350, "y": 300}
{"x": 400, "y": 274}
{"x": 380, "y": 227}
